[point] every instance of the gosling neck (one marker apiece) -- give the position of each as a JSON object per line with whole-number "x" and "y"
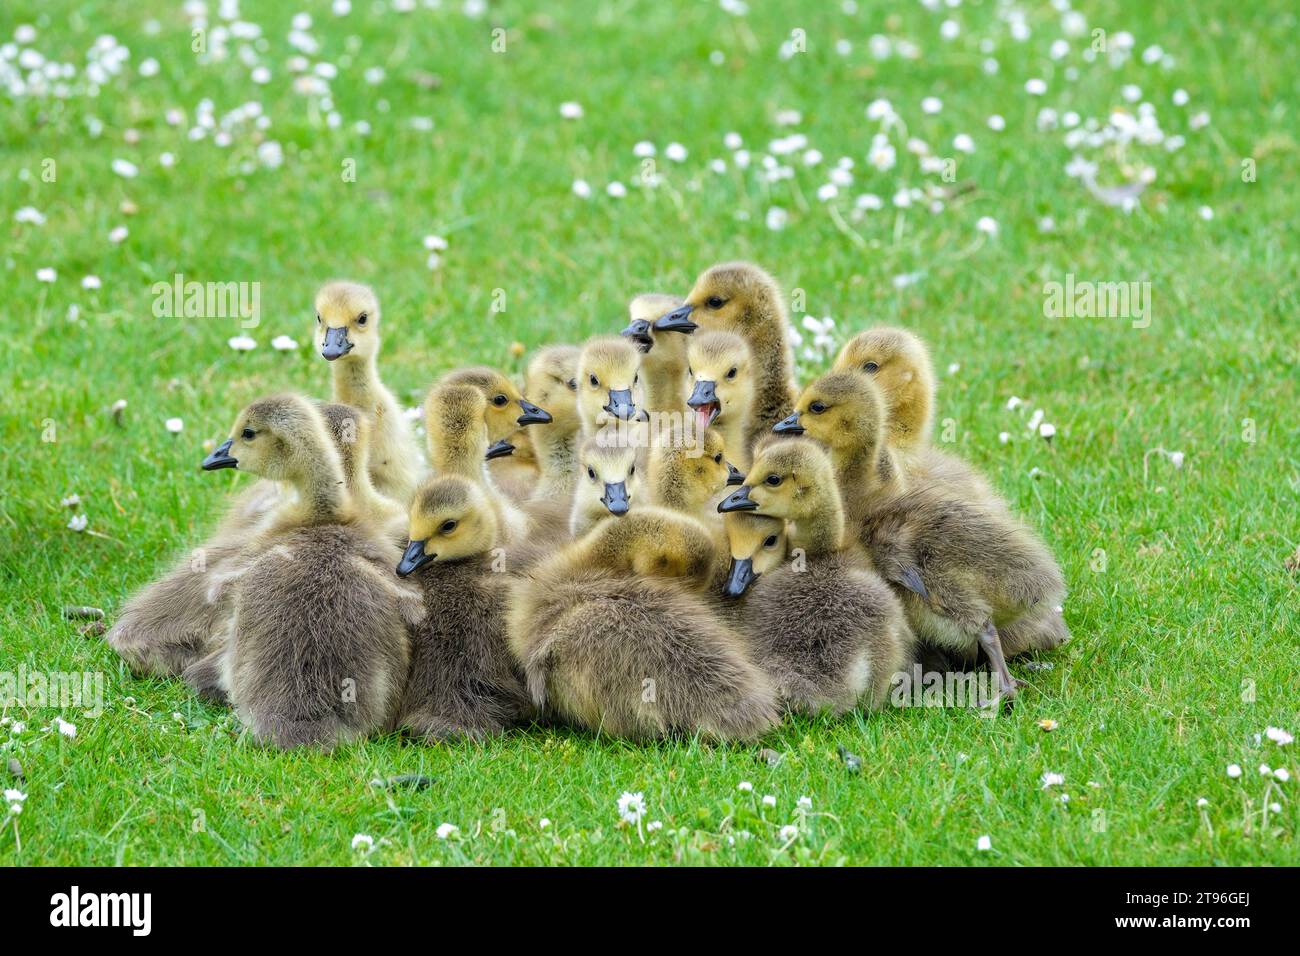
{"x": 734, "y": 427}
{"x": 322, "y": 493}
{"x": 820, "y": 529}
{"x": 557, "y": 455}
{"x": 356, "y": 383}
{"x": 663, "y": 372}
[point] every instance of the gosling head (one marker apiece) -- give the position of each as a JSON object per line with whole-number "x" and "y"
{"x": 845, "y": 411}
{"x": 347, "y": 321}
{"x": 900, "y": 365}
{"x": 282, "y": 437}
{"x": 736, "y": 296}
{"x": 643, "y": 311}
{"x": 451, "y": 519}
{"x": 607, "y": 370}
{"x": 758, "y": 545}
{"x": 690, "y": 472}
{"x": 608, "y": 472}
{"x": 721, "y": 376}
{"x": 552, "y": 379}
{"x": 784, "y": 481}
{"x": 455, "y": 424}
{"x": 507, "y": 409}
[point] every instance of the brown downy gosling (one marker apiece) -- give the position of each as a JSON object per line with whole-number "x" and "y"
{"x": 826, "y": 627}
{"x": 740, "y": 297}
{"x": 607, "y": 373}
{"x": 608, "y": 482}
{"x": 552, "y": 378}
{"x": 690, "y": 476}
{"x": 456, "y": 429}
{"x": 722, "y": 390}
{"x": 664, "y": 379}
{"x": 967, "y": 569}
{"x": 846, "y": 413}
{"x": 462, "y": 680}
{"x": 508, "y": 413}
{"x": 615, "y": 634}
{"x": 319, "y": 649}
{"x": 347, "y": 336}
{"x": 899, "y": 363}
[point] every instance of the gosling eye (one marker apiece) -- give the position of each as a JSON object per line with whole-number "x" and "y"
{"x": 499, "y": 400}
{"x": 595, "y": 382}
{"x": 572, "y": 384}
{"x": 717, "y": 459}
{"x": 591, "y": 473}
{"x": 631, "y": 471}
{"x": 817, "y": 407}
{"x": 362, "y": 319}
{"x": 715, "y": 302}
{"x": 871, "y": 368}
{"x": 248, "y": 434}
{"x": 319, "y": 320}
{"x": 770, "y": 542}
{"x": 448, "y": 526}
{"x": 772, "y": 480}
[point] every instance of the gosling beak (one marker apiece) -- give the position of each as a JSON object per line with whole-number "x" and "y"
{"x": 412, "y": 558}
{"x": 499, "y": 449}
{"x": 615, "y": 498}
{"x": 740, "y": 577}
{"x": 639, "y": 332}
{"x": 788, "y": 426}
{"x": 678, "y": 320}
{"x": 738, "y": 500}
{"x": 221, "y": 457}
{"x": 620, "y": 404}
{"x": 704, "y": 399}
{"x": 734, "y": 475}
{"x": 532, "y": 414}
{"x": 336, "y": 343}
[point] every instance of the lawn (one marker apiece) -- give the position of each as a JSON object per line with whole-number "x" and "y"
{"x": 400, "y": 124}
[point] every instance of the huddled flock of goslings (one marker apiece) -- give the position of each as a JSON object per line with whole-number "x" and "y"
{"x": 666, "y": 536}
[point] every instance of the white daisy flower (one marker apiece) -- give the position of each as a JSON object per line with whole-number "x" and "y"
{"x": 363, "y": 841}
{"x": 631, "y": 807}
{"x": 571, "y": 110}
{"x": 931, "y": 105}
{"x": 676, "y": 152}
{"x": 118, "y": 234}
{"x": 1278, "y": 736}
{"x": 804, "y": 803}
{"x": 987, "y": 225}
{"x": 174, "y": 425}
{"x": 984, "y": 843}
{"x": 1180, "y": 97}
{"x": 616, "y": 190}
{"x": 777, "y": 218}
{"x": 788, "y": 832}
{"x": 90, "y": 282}
{"x": 30, "y": 214}
{"x": 1035, "y": 87}
{"x": 445, "y": 830}
{"x": 283, "y": 343}
{"x": 125, "y": 168}
{"x": 745, "y": 786}
{"x": 242, "y": 343}
{"x": 582, "y": 189}
{"x": 77, "y": 523}
{"x": 997, "y": 123}
{"x": 1050, "y": 779}
{"x": 643, "y": 149}
{"x": 68, "y": 730}
{"x": 1281, "y": 773}
{"x": 1234, "y": 770}
{"x": 46, "y": 275}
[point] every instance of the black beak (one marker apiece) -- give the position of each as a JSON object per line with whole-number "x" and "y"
{"x": 788, "y": 426}
{"x": 414, "y": 557}
{"x": 705, "y": 393}
{"x": 532, "y": 414}
{"x": 678, "y": 320}
{"x": 221, "y": 457}
{"x": 336, "y": 343}
{"x": 615, "y": 498}
{"x": 738, "y": 500}
{"x": 639, "y": 332}
{"x": 740, "y": 577}
{"x": 499, "y": 449}
{"x": 734, "y": 475}
{"x": 620, "y": 404}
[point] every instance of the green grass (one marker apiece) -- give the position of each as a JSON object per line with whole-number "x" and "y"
{"x": 1186, "y": 643}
